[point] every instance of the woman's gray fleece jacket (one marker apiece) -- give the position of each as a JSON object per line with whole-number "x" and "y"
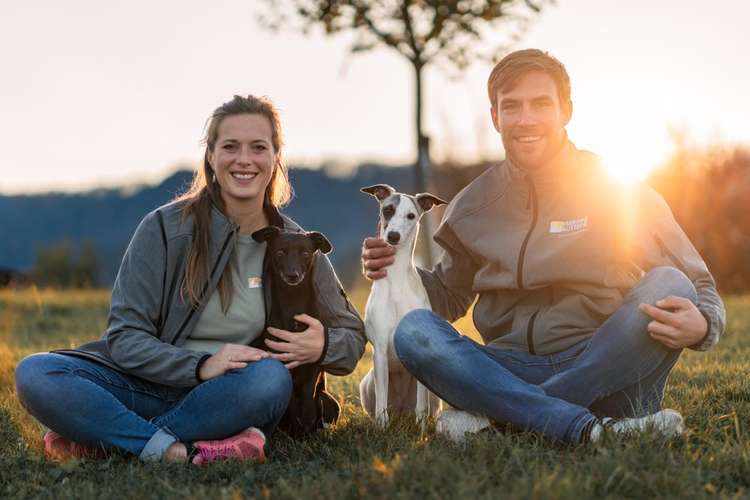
{"x": 149, "y": 322}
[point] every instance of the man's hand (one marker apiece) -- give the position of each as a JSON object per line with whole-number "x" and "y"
{"x": 229, "y": 357}
{"x": 298, "y": 348}
{"x": 677, "y": 323}
{"x": 376, "y": 256}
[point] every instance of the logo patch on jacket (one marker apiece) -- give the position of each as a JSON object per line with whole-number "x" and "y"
{"x": 254, "y": 282}
{"x": 568, "y": 226}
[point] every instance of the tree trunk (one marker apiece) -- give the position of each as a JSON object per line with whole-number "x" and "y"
{"x": 422, "y": 169}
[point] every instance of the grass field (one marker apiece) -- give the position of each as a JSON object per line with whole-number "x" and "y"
{"x": 356, "y": 459}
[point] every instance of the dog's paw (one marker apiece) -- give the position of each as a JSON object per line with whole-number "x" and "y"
{"x": 382, "y": 420}
{"x": 456, "y": 424}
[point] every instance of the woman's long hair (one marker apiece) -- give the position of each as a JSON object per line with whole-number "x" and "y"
{"x": 205, "y": 193}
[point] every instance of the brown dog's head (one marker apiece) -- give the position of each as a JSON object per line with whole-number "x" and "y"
{"x": 292, "y": 253}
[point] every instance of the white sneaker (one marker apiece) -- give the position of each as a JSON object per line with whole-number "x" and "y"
{"x": 455, "y": 424}
{"x": 668, "y": 423}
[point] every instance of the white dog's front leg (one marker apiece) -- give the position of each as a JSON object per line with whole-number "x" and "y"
{"x": 435, "y": 405}
{"x": 380, "y": 369}
{"x": 423, "y": 396}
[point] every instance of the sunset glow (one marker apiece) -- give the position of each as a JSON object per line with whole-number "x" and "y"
{"x": 85, "y": 103}
{"x": 623, "y": 170}
{"x": 628, "y": 164}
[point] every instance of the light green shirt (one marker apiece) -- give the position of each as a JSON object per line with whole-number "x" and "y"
{"x": 246, "y": 317}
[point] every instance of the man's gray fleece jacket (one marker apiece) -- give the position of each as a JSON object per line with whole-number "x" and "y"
{"x": 149, "y": 322}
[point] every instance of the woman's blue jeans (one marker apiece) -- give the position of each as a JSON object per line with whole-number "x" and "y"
{"x": 90, "y": 403}
{"x": 620, "y": 371}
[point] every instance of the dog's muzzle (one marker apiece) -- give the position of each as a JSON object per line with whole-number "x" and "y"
{"x": 293, "y": 279}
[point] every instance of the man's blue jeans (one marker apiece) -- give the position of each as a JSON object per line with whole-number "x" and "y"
{"x": 90, "y": 403}
{"x": 620, "y": 371}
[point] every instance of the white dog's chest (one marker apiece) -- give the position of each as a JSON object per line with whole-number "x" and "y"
{"x": 387, "y": 304}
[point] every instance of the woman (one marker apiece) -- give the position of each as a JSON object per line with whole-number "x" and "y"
{"x": 174, "y": 377}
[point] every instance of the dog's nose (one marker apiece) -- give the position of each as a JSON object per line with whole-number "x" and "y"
{"x": 292, "y": 278}
{"x": 393, "y": 237}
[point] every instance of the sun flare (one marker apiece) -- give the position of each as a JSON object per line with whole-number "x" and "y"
{"x": 626, "y": 171}
{"x": 630, "y": 164}
{"x": 629, "y": 151}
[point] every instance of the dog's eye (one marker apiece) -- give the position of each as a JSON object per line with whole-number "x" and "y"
{"x": 388, "y": 211}
{"x": 410, "y": 216}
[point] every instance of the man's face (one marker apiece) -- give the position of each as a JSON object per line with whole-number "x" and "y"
{"x": 531, "y": 120}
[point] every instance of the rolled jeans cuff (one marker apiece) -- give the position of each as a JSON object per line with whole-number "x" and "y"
{"x": 157, "y": 445}
{"x": 581, "y": 429}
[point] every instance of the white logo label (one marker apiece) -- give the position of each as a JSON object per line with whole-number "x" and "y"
{"x": 568, "y": 226}
{"x": 254, "y": 282}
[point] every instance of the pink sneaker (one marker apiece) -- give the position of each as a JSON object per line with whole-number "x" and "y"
{"x": 247, "y": 445}
{"x": 60, "y": 448}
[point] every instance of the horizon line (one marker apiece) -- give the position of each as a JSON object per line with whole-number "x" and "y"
{"x": 335, "y": 167}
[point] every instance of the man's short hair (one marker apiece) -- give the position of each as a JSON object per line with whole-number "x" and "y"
{"x": 506, "y": 73}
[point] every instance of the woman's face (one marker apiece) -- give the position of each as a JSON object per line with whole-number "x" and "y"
{"x": 243, "y": 158}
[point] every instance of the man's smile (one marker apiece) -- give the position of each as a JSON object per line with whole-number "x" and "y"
{"x": 530, "y": 138}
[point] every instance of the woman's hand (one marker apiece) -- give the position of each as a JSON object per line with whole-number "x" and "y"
{"x": 298, "y": 348}
{"x": 230, "y": 357}
{"x": 376, "y": 256}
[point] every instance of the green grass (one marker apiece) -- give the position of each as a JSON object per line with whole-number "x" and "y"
{"x": 357, "y": 459}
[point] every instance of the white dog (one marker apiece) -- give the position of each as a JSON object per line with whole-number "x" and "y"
{"x": 390, "y": 385}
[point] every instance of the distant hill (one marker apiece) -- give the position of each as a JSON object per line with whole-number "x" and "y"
{"x": 108, "y": 217}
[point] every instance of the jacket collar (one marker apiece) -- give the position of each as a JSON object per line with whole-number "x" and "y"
{"x": 559, "y": 172}
{"x": 222, "y": 225}
{"x": 274, "y": 216}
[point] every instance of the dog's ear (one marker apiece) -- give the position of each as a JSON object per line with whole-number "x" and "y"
{"x": 268, "y": 233}
{"x": 321, "y": 242}
{"x": 379, "y": 191}
{"x": 426, "y": 201}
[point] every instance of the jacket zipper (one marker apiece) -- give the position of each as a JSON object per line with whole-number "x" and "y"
{"x": 530, "y": 333}
{"x": 205, "y": 286}
{"x": 534, "y": 215}
{"x": 532, "y": 201}
{"x": 266, "y": 281}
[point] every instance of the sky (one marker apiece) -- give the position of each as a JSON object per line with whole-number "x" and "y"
{"x": 99, "y": 94}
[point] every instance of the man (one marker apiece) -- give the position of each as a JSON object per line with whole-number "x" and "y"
{"x": 587, "y": 291}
